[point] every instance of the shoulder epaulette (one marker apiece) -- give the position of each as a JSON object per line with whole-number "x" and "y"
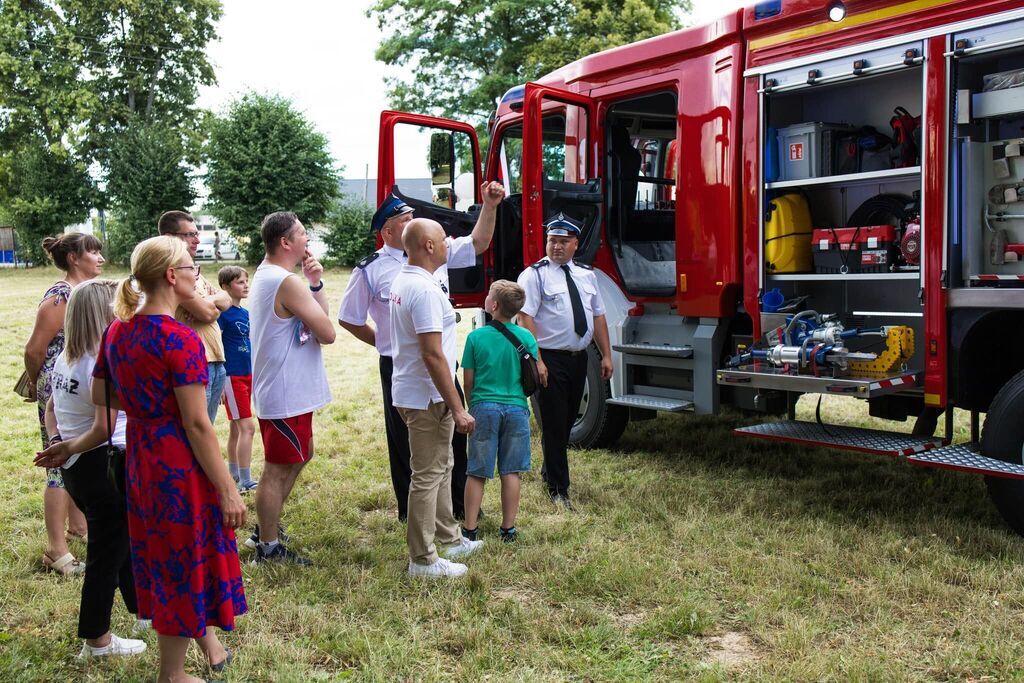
{"x": 368, "y": 260}
{"x": 540, "y": 264}
{"x": 582, "y": 265}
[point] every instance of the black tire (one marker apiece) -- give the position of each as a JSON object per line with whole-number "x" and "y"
{"x": 1003, "y": 439}
{"x": 597, "y": 423}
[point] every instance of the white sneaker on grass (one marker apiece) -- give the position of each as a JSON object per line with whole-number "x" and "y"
{"x": 439, "y": 569}
{"x": 463, "y": 548}
{"x": 116, "y": 647}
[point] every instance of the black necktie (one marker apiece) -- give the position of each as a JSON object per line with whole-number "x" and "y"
{"x": 579, "y": 317}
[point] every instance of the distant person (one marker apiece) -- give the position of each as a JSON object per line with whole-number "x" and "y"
{"x": 201, "y": 312}
{"x": 216, "y": 246}
{"x": 78, "y": 432}
{"x": 182, "y": 502}
{"x": 234, "y": 328}
{"x": 423, "y": 390}
{"x": 289, "y": 323}
{"x": 565, "y": 312}
{"x": 367, "y": 296}
{"x": 494, "y": 390}
{"x": 78, "y": 256}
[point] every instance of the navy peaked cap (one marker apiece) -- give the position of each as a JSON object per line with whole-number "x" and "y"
{"x": 562, "y": 225}
{"x": 389, "y": 208}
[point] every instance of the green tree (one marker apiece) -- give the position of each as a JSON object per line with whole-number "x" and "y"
{"x": 264, "y": 156}
{"x": 48, "y": 191}
{"x": 463, "y": 56}
{"x": 348, "y": 236}
{"x": 146, "y": 176}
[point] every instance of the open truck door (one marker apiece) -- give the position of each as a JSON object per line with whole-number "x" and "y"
{"x": 439, "y": 161}
{"x": 560, "y": 181}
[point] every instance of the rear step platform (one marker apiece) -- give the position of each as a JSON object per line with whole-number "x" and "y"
{"x": 844, "y": 438}
{"x": 670, "y": 405}
{"x": 961, "y": 458}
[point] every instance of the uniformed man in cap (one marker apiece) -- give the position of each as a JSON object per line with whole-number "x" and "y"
{"x": 564, "y": 311}
{"x": 367, "y": 295}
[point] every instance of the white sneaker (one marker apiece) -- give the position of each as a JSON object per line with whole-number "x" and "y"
{"x": 117, "y": 646}
{"x": 440, "y": 568}
{"x": 463, "y": 548}
{"x": 142, "y": 625}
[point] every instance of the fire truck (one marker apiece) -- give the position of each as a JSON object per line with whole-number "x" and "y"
{"x": 803, "y": 197}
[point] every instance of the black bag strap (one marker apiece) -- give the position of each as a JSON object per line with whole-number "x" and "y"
{"x": 106, "y": 386}
{"x": 513, "y": 339}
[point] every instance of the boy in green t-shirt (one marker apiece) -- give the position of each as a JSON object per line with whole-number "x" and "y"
{"x": 494, "y": 390}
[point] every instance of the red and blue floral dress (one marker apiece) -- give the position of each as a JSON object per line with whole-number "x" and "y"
{"x": 184, "y": 560}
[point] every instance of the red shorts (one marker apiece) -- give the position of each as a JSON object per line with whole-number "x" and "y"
{"x": 288, "y": 440}
{"x": 237, "y": 391}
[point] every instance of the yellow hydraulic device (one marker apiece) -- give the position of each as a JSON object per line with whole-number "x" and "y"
{"x": 899, "y": 348}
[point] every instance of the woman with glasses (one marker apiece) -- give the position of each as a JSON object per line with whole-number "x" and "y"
{"x": 78, "y": 257}
{"x": 78, "y": 429}
{"x": 182, "y": 501}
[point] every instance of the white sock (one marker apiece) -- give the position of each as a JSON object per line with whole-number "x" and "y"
{"x": 268, "y": 547}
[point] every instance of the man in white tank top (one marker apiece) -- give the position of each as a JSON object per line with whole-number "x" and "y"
{"x": 288, "y": 322}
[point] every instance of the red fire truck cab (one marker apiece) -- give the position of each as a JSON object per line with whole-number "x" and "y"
{"x": 802, "y": 197}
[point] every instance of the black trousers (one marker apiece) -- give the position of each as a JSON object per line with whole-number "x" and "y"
{"x": 398, "y": 449}
{"x": 108, "y": 563}
{"x": 559, "y": 402}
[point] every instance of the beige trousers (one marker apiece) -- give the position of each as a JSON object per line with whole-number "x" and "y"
{"x": 430, "y": 497}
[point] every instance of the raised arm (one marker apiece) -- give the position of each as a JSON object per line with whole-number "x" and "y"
{"x": 295, "y": 297}
{"x": 483, "y": 231}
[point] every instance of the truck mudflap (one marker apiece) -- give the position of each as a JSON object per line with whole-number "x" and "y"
{"x": 764, "y": 376}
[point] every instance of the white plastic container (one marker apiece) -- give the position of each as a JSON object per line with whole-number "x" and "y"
{"x": 800, "y": 152}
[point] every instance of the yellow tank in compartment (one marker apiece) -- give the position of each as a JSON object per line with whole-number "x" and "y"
{"x": 787, "y": 235}
{"x": 899, "y": 349}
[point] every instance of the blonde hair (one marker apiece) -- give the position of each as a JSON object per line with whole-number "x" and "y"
{"x": 150, "y": 260}
{"x": 90, "y": 309}
{"x": 509, "y": 296}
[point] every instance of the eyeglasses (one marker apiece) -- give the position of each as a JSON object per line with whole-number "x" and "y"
{"x": 195, "y": 269}
{"x": 188, "y": 235}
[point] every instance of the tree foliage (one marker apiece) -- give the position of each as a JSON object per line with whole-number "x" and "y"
{"x": 465, "y": 55}
{"x": 146, "y": 176}
{"x": 265, "y": 156}
{"x": 48, "y": 191}
{"x": 348, "y": 235}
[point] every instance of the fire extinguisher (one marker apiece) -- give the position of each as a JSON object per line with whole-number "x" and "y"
{"x": 910, "y": 245}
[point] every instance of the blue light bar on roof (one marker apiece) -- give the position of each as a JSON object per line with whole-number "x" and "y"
{"x": 769, "y": 8}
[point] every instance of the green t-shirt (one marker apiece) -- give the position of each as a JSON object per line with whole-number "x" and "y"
{"x": 495, "y": 365}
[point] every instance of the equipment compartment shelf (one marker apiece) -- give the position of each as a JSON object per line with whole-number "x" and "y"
{"x": 995, "y": 103}
{"x": 868, "y": 177}
{"x": 764, "y": 376}
{"x": 833, "y": 277}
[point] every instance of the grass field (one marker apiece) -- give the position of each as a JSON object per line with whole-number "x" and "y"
{"x": 693, "y": 555}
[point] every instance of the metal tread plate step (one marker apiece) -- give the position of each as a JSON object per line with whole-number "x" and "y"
{"x": 844, "y": 438}
{"x": 763, "y": 376}
{"x": 666, "y": 350}
{"x": 962, "y": 458}
{"x": 670, "y": 405}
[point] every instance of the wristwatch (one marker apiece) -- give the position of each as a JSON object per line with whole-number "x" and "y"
{"x": 317, "y": 288}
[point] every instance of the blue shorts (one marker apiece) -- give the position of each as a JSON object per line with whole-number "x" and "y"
{"x": 502, "y": 434}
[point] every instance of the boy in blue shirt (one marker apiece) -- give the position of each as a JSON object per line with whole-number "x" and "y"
{"x": 234, "y": 328}
{"x": 492, "y": 380}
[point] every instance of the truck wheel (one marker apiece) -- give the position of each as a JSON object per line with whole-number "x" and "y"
{"x": 597, "y": 423}
{"x": 1003, "y": 438}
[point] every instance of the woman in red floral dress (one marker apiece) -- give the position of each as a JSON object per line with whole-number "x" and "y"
{"x": 182, "y": 502}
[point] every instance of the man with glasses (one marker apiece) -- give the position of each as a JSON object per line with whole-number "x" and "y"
{"x": 201, "y": 313}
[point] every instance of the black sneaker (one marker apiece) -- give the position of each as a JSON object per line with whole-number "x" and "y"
{"x": 254, "y": 537}
{"x": 509, "y": 535}
{"x": 280, "y": 554}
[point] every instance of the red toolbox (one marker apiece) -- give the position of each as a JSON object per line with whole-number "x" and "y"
{"x": 868, "y": 249}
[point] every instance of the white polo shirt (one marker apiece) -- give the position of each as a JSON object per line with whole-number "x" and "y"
{"x": 369, "y": 286}
{"x": 418, "y": 306}
{"x": 548, "y": 303}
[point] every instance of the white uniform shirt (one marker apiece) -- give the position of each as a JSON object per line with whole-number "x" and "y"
{"x": 369, "y": 287}
{"x": 418, "y": 305}
{"x": 548, "y": 303}
{"x": 288, "y": 376}
{"x": 72, "y": 402}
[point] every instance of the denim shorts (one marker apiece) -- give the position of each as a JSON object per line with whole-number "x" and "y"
{"x": 502, "y": 435}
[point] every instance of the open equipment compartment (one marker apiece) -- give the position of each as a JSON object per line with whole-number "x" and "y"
{"x": 987, "y": 179}
{"x": 829, "y": 145}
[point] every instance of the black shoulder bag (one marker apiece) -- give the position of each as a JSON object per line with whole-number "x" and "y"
{"x": 115, "y": 456}
{"x": 529, "y": 375}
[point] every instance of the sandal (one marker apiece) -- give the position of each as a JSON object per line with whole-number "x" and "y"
{"x": 65, "y": 565}
{"x": 221, "y": 665}
{"x": 84, "y": 538}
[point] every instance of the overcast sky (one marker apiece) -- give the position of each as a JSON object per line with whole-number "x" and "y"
{"x": 319, "y": 53}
